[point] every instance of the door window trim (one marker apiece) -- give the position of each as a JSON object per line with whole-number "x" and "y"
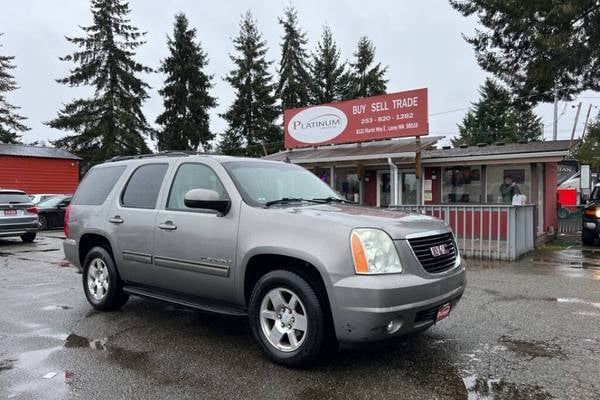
{"x": 129, "y": 180}
{"x": 196, "y": 210}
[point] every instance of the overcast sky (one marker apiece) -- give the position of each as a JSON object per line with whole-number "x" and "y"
{"x": 420, "y": 42}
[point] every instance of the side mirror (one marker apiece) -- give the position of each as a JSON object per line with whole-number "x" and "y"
{"x": 206, "y": 199}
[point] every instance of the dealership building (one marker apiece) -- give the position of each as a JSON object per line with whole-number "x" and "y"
{"x": 376, "y": 154}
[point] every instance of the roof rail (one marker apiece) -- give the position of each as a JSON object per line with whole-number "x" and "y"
{"x": 164, "y": 153}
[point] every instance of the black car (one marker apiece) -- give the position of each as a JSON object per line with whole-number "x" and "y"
{"x": 590, "y": 231}
{"x": 51, "y": 212}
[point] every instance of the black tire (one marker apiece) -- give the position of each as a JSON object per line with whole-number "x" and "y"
{"x": 114, "y": 297}
{"x": 315, "y": 339}
{"x": 588, "y": 238}
{"x": 43, "y": 222}
{"x": 28, "y": 237}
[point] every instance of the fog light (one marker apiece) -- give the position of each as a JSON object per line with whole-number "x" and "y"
{"x": 393, "y": 326}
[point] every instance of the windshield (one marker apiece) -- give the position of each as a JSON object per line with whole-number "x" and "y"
{"x": 53, "y": 202}
{"x": 13, "y": 198}
{"x": 595, "y": 196}
{"x": 262, "y": 182}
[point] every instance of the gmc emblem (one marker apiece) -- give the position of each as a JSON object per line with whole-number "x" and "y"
{"x": 438, "y": 250}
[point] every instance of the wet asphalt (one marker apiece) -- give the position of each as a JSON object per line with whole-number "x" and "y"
{"x": 524, "y": 330}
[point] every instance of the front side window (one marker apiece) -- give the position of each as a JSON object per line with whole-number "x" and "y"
{"x": 189, "y": 177}
{"x": 143, "y": 186}
{"x": 261, "y": 182}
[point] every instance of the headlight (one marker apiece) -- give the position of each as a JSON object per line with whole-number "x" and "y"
{"x": 593, "y": 212}
{"x": 374, "y": 252}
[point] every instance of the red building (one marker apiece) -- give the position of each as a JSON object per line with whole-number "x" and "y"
{"x": 36, "y": 169}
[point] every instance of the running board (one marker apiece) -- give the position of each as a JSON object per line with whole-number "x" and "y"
{"x": 186, "y": 301}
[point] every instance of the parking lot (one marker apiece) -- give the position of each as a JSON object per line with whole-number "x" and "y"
{"x": 524, "y": 330}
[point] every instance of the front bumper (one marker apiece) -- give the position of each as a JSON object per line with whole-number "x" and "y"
{"x": 366, "y": 304}
{"x": 591, "y": 225}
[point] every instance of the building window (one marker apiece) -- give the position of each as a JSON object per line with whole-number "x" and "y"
{"x": 505, "y": 181}
{"x": 461, "y": 185}
{"x": 347, "y": 183}
{"x": 324, "y": 174}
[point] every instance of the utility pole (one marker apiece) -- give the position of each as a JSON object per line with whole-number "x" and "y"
{"x": 585, "y": 124}
{"x": 575, "y": 124}
{"x": 555, "y": 124}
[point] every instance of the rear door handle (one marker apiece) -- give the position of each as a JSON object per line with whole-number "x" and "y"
{"x": 116, "y": 219}
{"x": 167, "y": 226}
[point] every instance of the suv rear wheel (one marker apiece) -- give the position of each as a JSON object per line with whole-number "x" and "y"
{"x": 287, "y": 319}
{"x": 587, "y": 238}
{"x": 101, "y": 282}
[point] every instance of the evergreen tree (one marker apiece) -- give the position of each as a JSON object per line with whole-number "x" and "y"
{"x": 292, "y": 88}
{"x": 110, "y": 122}
{"x": 535, "y": 46}
{"x": 496, "y": 118}
{"x": 327, "y": 74}
{"x": 252, "y": 115}
{"x": 365, "y": 79}
{"x": 185, "y": 120}
{"x": 587, "y": 152}
{"x": 10, "y": 121}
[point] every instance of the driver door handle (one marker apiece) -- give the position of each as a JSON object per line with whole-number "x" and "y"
{"x": 116, "y": 219}
{"x": 167, "y": 226}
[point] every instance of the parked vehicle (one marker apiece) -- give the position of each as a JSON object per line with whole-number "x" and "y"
{"x": 18, "y": 216}
{"x": 38, "y": 198}
{"x": 51, "y": 213}
{"x": 590, "y": 231}
{"x": 262, "y": 239}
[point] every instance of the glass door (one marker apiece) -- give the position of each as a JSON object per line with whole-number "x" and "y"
{"x": 383, "y": 189}
{"x": 409, "y": 188}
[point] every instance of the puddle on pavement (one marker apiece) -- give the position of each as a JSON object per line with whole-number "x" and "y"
{"x": 575, "y": 300}
{"x": 29, "y": 360}
{"x": 532, "y": 349}
{"x": 129, "y": 359}
{"x": 7, "y": 363}
{"x": 56, "y": 307}
{"x": 499, "y": 389}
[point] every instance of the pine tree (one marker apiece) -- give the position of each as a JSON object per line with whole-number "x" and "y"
{"x": 327, "y": 74}
{"x": 110, "y": 122}
{"x": 537, "y": 46}
{"x": 364, "y": 78}
{"x": 292, "y": 88}
{"x": 588, "y": 150}
{"x": 186, "y": 98}
{"x": 496, "y": 118}
{"x": 253, "y": 114}
{"x": 10, "y": 121}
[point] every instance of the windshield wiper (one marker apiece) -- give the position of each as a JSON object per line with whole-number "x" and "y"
{"x": 334, "y": 199}
{"x": 285, "y": 200}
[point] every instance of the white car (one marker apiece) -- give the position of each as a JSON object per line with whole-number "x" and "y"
{"x": 38, "y": 198}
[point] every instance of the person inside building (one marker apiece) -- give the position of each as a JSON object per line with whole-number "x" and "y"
{"x": 508, "y": 189}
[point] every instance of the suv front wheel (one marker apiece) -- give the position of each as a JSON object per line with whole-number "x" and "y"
{"x": 101, "y": 282}
{"x": 287, "y": 318}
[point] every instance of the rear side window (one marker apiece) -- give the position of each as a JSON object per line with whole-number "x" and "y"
{"x": 143, "y": 186}
{"x": 97, "y": 184}
{"x": 14, "y": 198}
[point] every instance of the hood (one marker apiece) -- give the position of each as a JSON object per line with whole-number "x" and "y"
{"x": 397, "y": 224}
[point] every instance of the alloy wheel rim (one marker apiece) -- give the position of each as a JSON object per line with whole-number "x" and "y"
{"x": 97, "y": 279}
{"x": 283, "y": 319}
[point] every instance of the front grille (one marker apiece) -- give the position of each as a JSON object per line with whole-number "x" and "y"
{"x": 422, "y": 249}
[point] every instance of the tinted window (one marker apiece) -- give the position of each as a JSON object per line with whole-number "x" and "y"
{"x": 8, "y": 198}
{"x": 144, "y": 185}
{"x": 97, "y": 184}
{"x": 193, "y": 176}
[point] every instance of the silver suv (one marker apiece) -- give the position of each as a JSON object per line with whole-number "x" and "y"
{"x": 265, "y": 240}
{"x": 18, "y": 216}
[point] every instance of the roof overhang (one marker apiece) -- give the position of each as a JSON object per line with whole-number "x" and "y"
{"x": 551, "y": 156}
